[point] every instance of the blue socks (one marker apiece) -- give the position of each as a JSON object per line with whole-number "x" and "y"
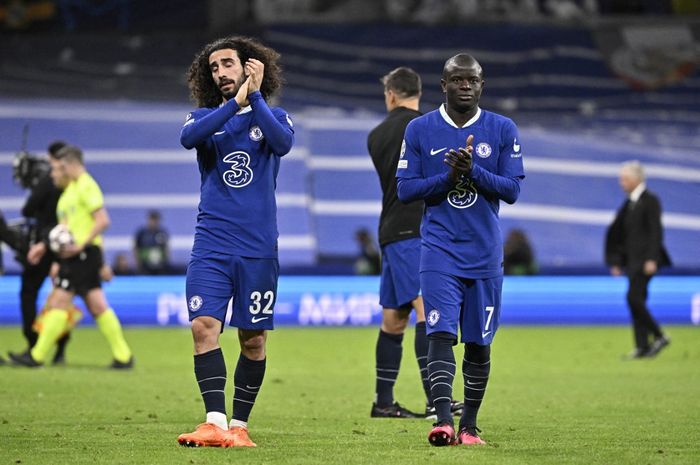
{"x": 210, "y": 371}
{"x": 476, "y": 366}
{"x": 421, "y": 347}
{"x": 247, "y": 381}
{"x": 388, "y": 355}
{"x": 441, "y": 368}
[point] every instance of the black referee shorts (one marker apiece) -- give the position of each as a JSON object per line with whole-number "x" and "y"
{"x": 81, "y": 273}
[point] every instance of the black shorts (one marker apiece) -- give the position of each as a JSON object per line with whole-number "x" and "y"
{"x": 81, "y": 273}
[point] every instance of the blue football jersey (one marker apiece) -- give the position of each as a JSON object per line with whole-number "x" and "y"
{"x": 460, "y": 230}
{"x": 238, "y": 163}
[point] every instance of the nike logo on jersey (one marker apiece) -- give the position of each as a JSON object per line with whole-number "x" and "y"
{"x": 436, "y": 151}
{"x": 483, "y": 335}
{"x": 256, "y": 319}
{"x": 219, "y": 133}
{"x": 516, "y": 146}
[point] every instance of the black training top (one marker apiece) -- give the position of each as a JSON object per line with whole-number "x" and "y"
{"x": 398, "y": 221}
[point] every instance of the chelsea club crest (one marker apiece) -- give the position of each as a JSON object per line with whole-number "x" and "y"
{"x": 255, "y": 133}
{"x": 433, "y": 317}
{"x": 195, "y": 303}
{"x": 483, "y": 150}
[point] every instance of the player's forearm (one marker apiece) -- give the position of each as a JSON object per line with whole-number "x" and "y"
{"x": 279, "y": 136}
{"x": 101, "y": 224}
{"x": 507, "y": 189}
{"x": 196, "y": 132}
{"x": 411, "y": 189}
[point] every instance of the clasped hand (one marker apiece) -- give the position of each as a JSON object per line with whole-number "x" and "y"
{"x": 460, "y": 160}
{"x": 254, "y": 70}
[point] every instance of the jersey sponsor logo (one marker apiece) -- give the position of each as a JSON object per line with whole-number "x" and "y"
{"x": 289, "y": 120}
{"x": 516, "y": 155}
{"x": 464, "y": 194}
{"x": 255, "y": 134}
{"x": 433, "y": 317}
{"x": 403, "y": 164}
{"x": 483, "y": 150}
{"x": 195, "y": 303}
{"x": 256, "y": 319}
{"x": 434, "y": 152}
{"x": 240, "y": 174}
{"x": 403, "y": 148}
{"x": 516, "y": 146}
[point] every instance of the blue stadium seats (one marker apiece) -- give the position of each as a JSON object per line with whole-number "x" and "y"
{"x": 578, "y": 122}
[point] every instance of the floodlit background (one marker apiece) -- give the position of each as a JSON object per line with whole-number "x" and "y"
{"x": 589, "y": 83}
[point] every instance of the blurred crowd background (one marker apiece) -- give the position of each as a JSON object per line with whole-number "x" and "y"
{"x": 590, "y": 83}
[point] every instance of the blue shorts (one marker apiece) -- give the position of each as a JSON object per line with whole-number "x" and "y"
{"x": 400, "y": 283}
{"x": 214, "y": 278}
{"x": 472, "y": 305}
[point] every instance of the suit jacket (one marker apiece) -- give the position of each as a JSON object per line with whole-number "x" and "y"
{"x": 636, "y": 235}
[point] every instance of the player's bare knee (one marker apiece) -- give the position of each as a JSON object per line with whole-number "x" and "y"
{"x": 394, "y": 326}
{"x": 252, "y": 344}
{"x": 205, "y": 332}
{"x": 395, "y": 321}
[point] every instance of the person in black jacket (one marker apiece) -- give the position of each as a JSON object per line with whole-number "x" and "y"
{"x": 634, "y": 245}
{"x": 399, "y": 238}
{"x": 40, "y": 208}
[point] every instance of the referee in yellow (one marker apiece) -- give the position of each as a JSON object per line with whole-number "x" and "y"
{"x": 81, "y": 208}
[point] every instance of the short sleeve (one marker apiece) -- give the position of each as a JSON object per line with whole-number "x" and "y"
{"x": 92, "y": 196}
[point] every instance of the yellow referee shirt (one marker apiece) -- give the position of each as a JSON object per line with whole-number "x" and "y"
{"x": 80, "y": 199}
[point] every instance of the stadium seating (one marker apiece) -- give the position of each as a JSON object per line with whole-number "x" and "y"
{"x": 578, "y": 122}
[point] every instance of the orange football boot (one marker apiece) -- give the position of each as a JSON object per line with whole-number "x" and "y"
{"x": 238, "y": 436}
{"x": 206, "y": 435}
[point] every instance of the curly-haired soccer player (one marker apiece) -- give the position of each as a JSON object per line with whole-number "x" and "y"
{"x": 239, "y": 141}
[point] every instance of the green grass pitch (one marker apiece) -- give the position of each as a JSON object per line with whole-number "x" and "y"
{"x": 557, "y": 395}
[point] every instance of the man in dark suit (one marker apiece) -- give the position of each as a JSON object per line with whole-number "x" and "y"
{"x": 634, "y": 243}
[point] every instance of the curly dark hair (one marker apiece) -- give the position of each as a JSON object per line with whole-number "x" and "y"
{"x": 204, "y": 91}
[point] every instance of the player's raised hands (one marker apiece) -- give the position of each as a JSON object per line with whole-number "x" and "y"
{"x": 254, "y": 69}
{"x": 242, "y": 94}
{"x": 460, "y": 160}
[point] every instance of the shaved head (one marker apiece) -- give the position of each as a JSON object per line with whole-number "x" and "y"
{"x": 462, "y": 83}
{"x": 461, "y": 60}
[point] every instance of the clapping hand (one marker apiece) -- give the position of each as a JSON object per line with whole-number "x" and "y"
{"x": 242, "y": 94}
{"x": 460, "y": 160}
{"x": 254, "y": 69}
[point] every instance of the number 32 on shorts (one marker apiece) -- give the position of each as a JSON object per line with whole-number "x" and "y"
{"x": 261, "y": 303}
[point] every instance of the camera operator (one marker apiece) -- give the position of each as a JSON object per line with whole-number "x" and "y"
{"x": 40, "y": 208}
